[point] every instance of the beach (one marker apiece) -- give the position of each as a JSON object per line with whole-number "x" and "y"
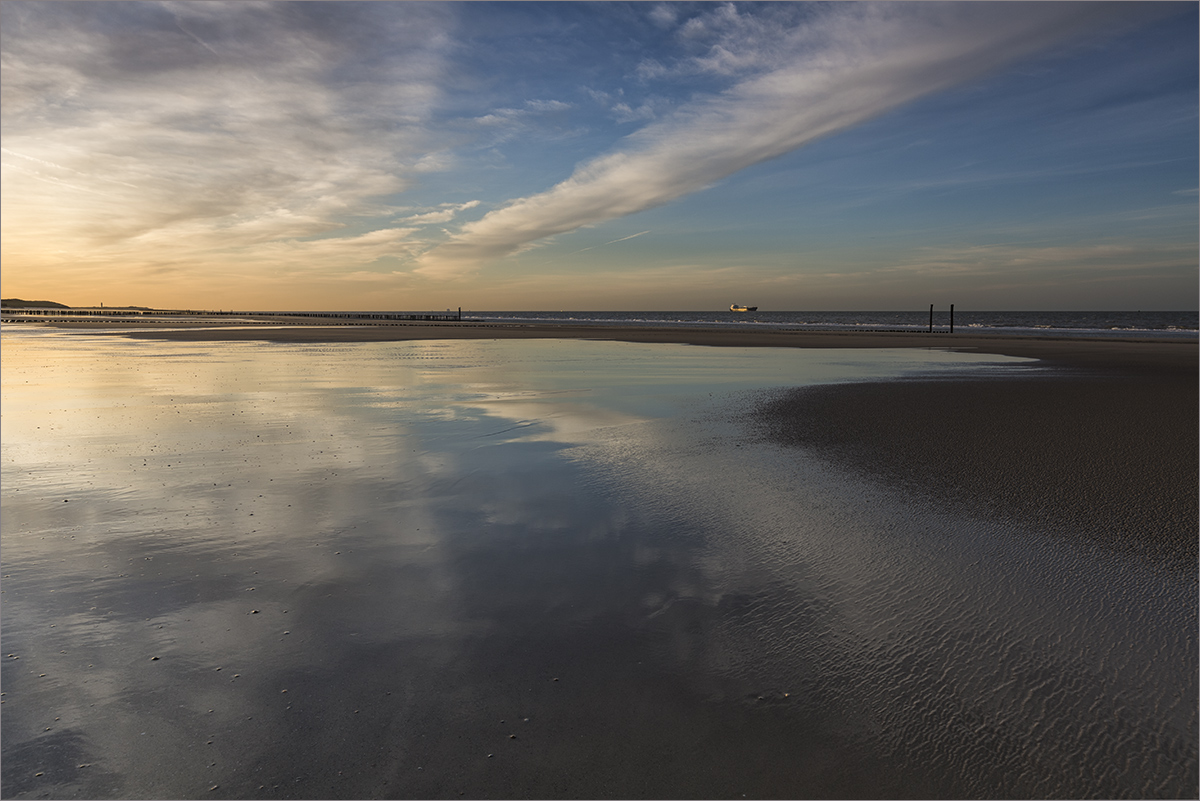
{"x": 1126, "y": 353}
{"x": 567, "y": 561}
{"x": 1109, "y": 442}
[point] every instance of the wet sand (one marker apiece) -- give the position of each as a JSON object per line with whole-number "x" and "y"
{"x": 669, "y": 617}
{"x": 1130, "y": 354}
{"x": 1107, "y": 445}
{"x": 1109, "y": 457}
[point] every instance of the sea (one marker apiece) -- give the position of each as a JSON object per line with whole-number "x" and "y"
{"x": 1155, "y": 324}
{"x": 1099, "y": 324}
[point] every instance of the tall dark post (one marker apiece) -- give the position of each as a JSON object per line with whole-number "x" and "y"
{"x": 951, "y": 318}
{"x": 460, "y": 314}
{"x": 931, "y": 318}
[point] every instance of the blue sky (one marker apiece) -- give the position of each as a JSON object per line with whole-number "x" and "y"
{"x": 601, "y": 155}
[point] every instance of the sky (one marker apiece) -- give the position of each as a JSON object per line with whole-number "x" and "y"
{"x": 600, "y": 156}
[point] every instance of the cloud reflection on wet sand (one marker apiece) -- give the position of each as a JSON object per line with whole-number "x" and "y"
{"x": 548, "y": 569}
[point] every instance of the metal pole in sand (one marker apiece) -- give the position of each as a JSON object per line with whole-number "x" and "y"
{"x": 951, "y": 318}
{"x": 931, "y": 318}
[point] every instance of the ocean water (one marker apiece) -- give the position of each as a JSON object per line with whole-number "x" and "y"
{"x": 1155, "y": 325}
{"x": 1173, "y": 325}
{"x": 541, "y": 569}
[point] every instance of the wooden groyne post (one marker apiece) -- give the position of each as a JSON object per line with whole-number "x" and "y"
{"x": 951, "y": 319}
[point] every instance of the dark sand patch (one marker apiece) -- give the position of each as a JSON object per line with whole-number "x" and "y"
{"x": 1107, "y": 455}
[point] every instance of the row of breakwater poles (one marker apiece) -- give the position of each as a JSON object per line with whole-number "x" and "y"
{"x": 951, "y": 318}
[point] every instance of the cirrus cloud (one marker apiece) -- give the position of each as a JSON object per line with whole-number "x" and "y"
{"x": 838, "y": 68}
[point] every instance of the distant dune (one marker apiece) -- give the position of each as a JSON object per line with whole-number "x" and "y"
{"x": 17, "y": 303}
{"x": 133, "y": 308}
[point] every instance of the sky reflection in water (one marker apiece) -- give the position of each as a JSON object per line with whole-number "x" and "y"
{"x": 535, "y": 568}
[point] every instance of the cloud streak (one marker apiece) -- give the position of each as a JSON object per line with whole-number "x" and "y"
{"x": 612, "y": 241}
{"x": 442, "y": 215}
{"x": 848, "y": 64}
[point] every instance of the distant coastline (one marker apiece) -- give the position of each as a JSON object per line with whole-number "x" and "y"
{"x": 18, "y": 303}
{"x": 1157, "y": 325}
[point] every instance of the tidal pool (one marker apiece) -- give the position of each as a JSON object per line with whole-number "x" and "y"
{"x": 538, "y": 569}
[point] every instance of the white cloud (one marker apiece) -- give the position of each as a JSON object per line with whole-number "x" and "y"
{"x": 358, "y": 249}
{"x": 624, "y": 113}
{"x": 547, "y": 105}
{"x": 210, "y": 126}
{"x": 663, "y": 15}
{"x": 852, "y": 62}
{"x": 650, "y": 68}
{"x": 519, "y": 116}
{"x": 739, "y": 42}
{"x": 506, "y": 124}
{"x": 500, "y": 116}
{"x": 444, "y": 214}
